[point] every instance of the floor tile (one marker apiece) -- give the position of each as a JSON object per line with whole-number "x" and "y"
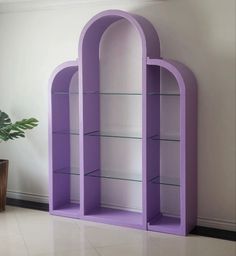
{"x": 47, "y": 234}
{"x": 85, "y": 252}
{"x": 12, "y": 245}
{"x": 105, "y": 236}
{"x": 54, "y": 236}
{"x": 8, "y": 224}
{"x": 172, "y": 246}
{"x": 205, "y": 246}
{"x": 30, "y": 223}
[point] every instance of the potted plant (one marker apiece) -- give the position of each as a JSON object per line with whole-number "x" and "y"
{"x": 10, "y": 131}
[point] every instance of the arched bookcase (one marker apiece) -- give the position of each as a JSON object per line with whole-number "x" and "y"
{"x": 161, "y": 187}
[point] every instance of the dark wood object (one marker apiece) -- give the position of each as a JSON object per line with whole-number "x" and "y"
{"x": 3, "y": 183}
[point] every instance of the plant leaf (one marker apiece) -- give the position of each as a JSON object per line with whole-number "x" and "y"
{"x": 4, "y": 119}
{"x": 9, "y": 131}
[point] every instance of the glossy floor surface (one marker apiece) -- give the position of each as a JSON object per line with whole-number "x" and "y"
{"x": 25, "y": 232}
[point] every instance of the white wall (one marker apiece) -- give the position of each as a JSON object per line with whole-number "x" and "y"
{"x": 37, "y": 37}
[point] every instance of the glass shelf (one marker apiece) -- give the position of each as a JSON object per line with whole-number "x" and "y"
{"x": 164, "y": 94}
{"x": 133, "y": 93}
{"x": 64, "y": 93}
{"x": 108, "y": 134}
{"x": 166, "y": 181}
{"x": 71, "y": 132}
{"x": 115, "y": 175}
{"x": 119, "y": 93}
{"x": 137, "y": 177}
{"x": 165, "y": 138}
{"x": 130, "y": 135}
{"x": 69, "y": 171}
{"x": 114, "y": 93}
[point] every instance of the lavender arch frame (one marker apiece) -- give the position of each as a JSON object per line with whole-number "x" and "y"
{"x": 88, "y": 64}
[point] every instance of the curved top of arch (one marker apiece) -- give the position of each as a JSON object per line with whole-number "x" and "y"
{"x": 61, "y": 76}
{"x": 94, "y": 29}
{"x": 184, "y": 76}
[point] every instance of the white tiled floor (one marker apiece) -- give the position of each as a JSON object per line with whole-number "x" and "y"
{"x": 26, "y": 232}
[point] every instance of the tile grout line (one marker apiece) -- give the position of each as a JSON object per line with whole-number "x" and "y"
{"x": 27, "y": 249}
{"x": 110, "y": 245}
{"x": 98, "y": 253}
{"x": 94, "y": 248}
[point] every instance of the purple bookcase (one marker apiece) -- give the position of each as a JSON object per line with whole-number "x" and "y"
{"x": 158, "y": 184}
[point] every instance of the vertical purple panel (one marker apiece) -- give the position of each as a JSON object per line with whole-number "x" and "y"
{"x": 188, "y": 105}
{"x": 60, "y": 149}
{"x": 90, "y": 119}
{"x": 153, "y": 146}
{"x": 191, "y": 149}
{"x": 59, "y": 138}
{"x": 92, "y": 189}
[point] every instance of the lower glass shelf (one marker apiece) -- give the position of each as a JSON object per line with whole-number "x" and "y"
{"x": 132, "y": 176}
{"x": 134, "y": 93}
{"x": 116, "y": 217}
{"x": 166, "y": 181}
{"x": 115, "y": 175}
{"x": 121, "y": 135}
{"x": 131, "y": 135}
{"x": 68, "y": 210}
{"x": 66, "y": 132}
{"x": 67, "y": 170}
{"x": 165, "y": 138}
{"x": 117, "y": 93}
{"x": 165, "y": 224}
{"x": 113, "y": 134}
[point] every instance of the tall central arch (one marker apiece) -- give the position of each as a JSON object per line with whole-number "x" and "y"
{"x": 89, "y": 99}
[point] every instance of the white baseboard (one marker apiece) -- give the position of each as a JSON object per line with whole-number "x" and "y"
{"x": 27, "y": 196}
{"x": 217, "y": 223}
{"x": 201, "y": 221}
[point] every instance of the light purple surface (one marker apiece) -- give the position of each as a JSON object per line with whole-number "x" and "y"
{"x": 116, "y": 217}
{"x": 70, "y": 210}
{"x": 89, "y": 151}
{"x": 165, "y": 224}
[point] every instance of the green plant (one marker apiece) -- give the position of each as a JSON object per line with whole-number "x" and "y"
{"x": 11, "y": 131}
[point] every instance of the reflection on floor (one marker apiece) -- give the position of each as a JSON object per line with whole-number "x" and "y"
{"x": 25, "y": 232}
